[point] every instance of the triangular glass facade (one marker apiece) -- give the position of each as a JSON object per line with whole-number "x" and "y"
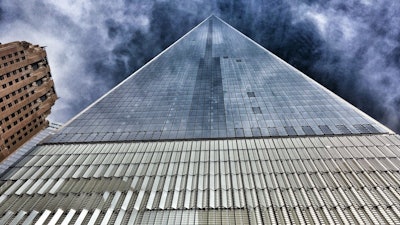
{"x": 214, "y": 130}
{"x": 216, "y": 83}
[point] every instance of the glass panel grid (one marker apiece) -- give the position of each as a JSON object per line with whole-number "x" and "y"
{"x": 215, "y": 83}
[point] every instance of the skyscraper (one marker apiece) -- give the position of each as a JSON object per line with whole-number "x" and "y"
{"x": 26, "y": 94}
{"x": 214, "y": 130}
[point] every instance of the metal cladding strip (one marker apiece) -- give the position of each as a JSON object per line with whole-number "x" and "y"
{"x": 81, "y": 217}
{"x": 120, "y": 217}
{"x": 132, "y": 218}
{"x": 56, "y": 217}
{"x": 30, "y": 218}
{"x": 42, "y": 219}
{"x": 107, "y": 217}
{"x": 94, "y": 217}
{"x": 283, "y": 181}
{"x": 68, "y": 217}
{"x": 7, "y": 216}
{"x": 18, "y": 218}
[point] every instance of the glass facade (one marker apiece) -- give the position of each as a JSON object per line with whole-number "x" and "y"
{"x": 215, "y": 130}
{"x": 199, "y": 88}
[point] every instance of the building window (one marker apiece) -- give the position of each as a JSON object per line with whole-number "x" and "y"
{"x": 256, "y": 110}
{"x": 251, "y": 94}
{"x": 39, "y": 82}
{"x": 35, "y": 66}
{"x": 43, "y": 98}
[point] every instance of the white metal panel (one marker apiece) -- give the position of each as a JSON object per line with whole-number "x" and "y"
{"x": 46, "y": 186}
{"x": 175, "y": 199}
{"x": 100, "y": 171}
{"x": 115, "y": 200}
{"x": 56, "y": 186}
{"x": 18, "y": 218}
{"x": 151, "y": 200}
{"x": 7, "y": 216}
{"x": 200, "y": 198}
{"x": 127, "y": 200}
{"x": 133, "y": 216}
{"x": 213, "y": 199}
{"x": 120, "y": 171}
{"x": 43, "y": 217}
{"x": 89, "y": 171}
{"x": 30, "y": 218}
{"x": 139, "y": 200}
{"x": 37, "y": 174}
{"x": 107, "y": 217}
{"x": 79, "y": 171}
{"x": 68, "y": 217}
{"x": 2, "y": 198}
{"x": 120, "y": 217}
{"x": 25, "y": 186}
{"x": 93, "y": 219}
{"x": 59, "y": 172}
{"x": 163, "y": 200}
{"x": 56, "y": 217}
{"x": 81, "y": 217}
{"x": 110, "y": 171}
{"x": 70, "y": 171}
{"x": 13, "y": 187}
{"x": 187, "y": 204}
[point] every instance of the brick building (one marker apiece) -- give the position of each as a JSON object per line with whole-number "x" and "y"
{"x": 26, "y": 94}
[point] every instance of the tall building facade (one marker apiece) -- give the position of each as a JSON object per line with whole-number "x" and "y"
{"x": 214, "y": 130}
{"x": 26, "y": 94}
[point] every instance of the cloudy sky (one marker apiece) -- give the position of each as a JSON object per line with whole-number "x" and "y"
{"x": 350, "y": 46}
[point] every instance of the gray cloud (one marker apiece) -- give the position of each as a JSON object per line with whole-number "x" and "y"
{"x": 351, "y": 47}
{"x": 361, "y": 40}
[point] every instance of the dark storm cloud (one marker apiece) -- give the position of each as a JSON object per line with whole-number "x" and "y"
{"x": 351, "y": 47}
{"x": 356, "y": 57}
